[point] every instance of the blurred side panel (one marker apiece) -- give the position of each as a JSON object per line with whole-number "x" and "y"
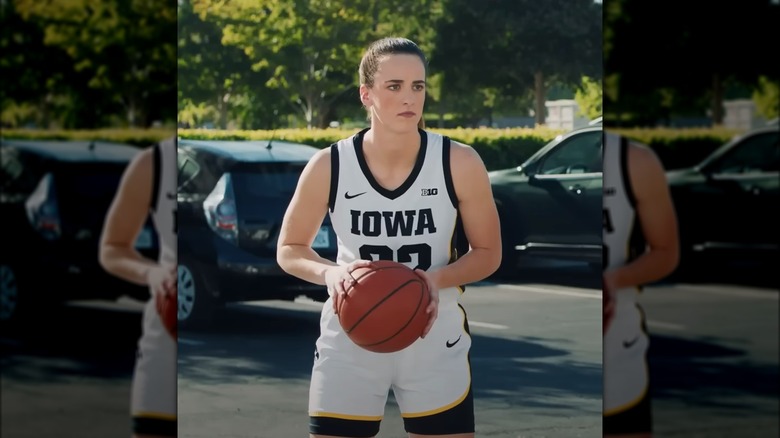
{"x": 699, "y": 85}
{"x": 86, "y": 86}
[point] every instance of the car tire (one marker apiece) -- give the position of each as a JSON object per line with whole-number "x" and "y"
{"x": 17, "y": 307}
{"x": 196, "y": 306}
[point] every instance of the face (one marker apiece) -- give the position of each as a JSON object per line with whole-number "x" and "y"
{"x": 397, "y": 97}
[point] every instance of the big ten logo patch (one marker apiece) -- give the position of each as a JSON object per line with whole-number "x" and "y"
{"x": 430, "y": 192}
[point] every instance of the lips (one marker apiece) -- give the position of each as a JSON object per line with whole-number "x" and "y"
{"x": 407, "y": 114}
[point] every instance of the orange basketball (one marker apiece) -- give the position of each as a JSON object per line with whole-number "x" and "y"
{"x": 384, "y": 311}
{"x": 166, "y": 308}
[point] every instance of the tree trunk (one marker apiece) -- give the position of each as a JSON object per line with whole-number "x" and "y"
{"x": 717, "y": 100}
{"x": 222, "y": 107}
{"x": 539, "y": 100}
{"x": 131, "y": 112}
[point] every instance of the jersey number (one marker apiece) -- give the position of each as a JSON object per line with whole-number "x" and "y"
{"x": 403, "y": 255}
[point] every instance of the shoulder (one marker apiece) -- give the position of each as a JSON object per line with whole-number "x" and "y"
{"x": 142, "y": 162}
{"x": 464, "y": 157}
{"x": 322, "y": 157}
{"x": 318, "y": 167}
{"x": 646, "y": 171}
{"x": 642, "y": 160}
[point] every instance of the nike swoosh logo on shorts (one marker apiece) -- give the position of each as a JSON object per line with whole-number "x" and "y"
{"x": 628, "y": 344}
{"x": 348, "y": 196}
{"x": 450, "y": 345}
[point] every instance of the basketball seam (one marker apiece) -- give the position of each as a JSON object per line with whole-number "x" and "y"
{"x": 380, "y": 302}
{"x": 411, "y": 318}
{"x": 341, "y": 303}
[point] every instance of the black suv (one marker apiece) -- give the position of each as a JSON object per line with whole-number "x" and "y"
{"x": 232, "y": 198}
{"x": 551, "y": 205}
{"x": 729, "y": 204}
{"x": 53, "y": 200}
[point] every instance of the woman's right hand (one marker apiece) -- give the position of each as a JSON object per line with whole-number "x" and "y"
{"x": 338, "y": 280}
{"x": 162, "y": 280}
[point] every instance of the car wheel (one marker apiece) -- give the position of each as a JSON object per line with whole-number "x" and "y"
{"x": 195, "y": 305}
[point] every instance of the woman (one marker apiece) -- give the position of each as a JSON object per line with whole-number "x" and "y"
{"x": 148, "y": 186}
{"x": 420, "y": 183}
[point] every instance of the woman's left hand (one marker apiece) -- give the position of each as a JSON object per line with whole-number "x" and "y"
{"x": 433, "y": 307}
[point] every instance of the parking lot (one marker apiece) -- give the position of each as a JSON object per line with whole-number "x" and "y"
{"x": 536, "y": 361}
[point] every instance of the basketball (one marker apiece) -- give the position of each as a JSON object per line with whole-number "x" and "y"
{"x": 384, "y": 310}
{"x": 166, "y": 308}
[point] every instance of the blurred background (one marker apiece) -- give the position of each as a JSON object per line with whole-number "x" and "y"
{"x": 281, "y": 64}
{"x": 86, "y": 85}
{"x": 700, "y": 87}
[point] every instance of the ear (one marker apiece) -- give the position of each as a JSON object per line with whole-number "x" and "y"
{"x": 365, "y": 99}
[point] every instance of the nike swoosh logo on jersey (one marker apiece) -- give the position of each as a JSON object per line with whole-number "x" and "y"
{"x": 450, "y": 345}
{"x": 348, "y": 196}
{"x": 628, "y": 344}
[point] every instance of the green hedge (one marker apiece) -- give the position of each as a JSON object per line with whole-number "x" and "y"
{"x": 680, "y": 147}
{"x": 499, "y": 148}
{"x": 134, "y": 137}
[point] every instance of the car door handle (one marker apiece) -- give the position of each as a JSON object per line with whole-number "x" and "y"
{"x": 577, "y": 189}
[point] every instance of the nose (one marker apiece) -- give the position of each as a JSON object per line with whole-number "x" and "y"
{"x": 408, "y": 97}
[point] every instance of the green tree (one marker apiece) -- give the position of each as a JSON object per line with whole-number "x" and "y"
{"x": 309, "y": 49}
{"x": 214, "y": 80}
{"x": 125, "y": 50}
{"x": 589, "y": 97}
{"x": 517, "y": 45}
{"x": 767, "y": 97}
{"x": 703, "y": 49}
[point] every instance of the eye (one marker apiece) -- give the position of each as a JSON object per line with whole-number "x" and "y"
{"x": 419, "y": 87}
{"x": 394, "y": 87}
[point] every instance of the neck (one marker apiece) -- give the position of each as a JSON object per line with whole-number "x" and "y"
{"x": 392, "y": 147}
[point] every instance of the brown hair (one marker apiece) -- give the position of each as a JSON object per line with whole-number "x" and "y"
{"x": 388, "y": 46}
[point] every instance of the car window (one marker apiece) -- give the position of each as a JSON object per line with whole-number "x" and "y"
{"x": 188, "y": 169}
{"x": 580, "y": 153}
{"x": 20, "y": 172}
{"x": 757, "y": 153}
{"x": 266, "y": 179}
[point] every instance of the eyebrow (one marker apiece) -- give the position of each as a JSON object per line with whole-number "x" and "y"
{"x": 400, "y": 81}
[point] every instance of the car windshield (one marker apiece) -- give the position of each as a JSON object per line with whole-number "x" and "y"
{"x": 267, "y": 179}
{"x": 757, "y": 153}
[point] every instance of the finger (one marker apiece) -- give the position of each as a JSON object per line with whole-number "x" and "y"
{"x": 348, "y": 282}
{"x": 169, "y": 284}
{"x": 336, "y": 303}
{"x": 361, "y": 264}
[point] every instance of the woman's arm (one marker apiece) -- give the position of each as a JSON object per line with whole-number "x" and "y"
{"x": 125, "y": 218}
{"x": 302, "y": 219}
{"x": 656, "y": 214}
{"x": 480, "y": 221}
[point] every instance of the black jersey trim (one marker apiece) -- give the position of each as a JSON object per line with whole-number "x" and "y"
{"x": 390, "y": 194}
{"x": 624, "y": 173}
{"x": 157, "y": 174}
{"x": 334, "y": 176}
{"x": 446, "y": 147}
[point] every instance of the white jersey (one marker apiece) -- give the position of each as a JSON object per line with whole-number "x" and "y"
{"x": 413, "y": 224}
{"x": 626, "y": 341}
{"x": 163, "y": 206}
{"x": 154, "y": 381}
{"x": 622, "y": 232}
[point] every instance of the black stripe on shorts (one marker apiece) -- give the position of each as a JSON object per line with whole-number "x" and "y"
{"x": 154, "y": 426}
